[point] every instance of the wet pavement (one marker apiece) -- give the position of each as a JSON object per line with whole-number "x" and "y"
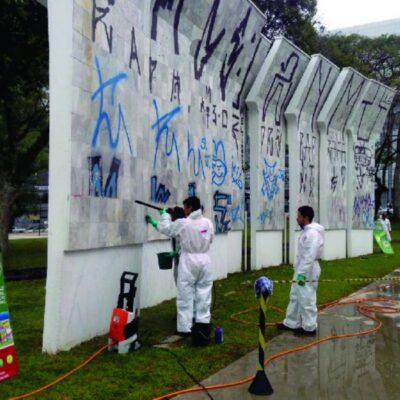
{"x": 360, "y": 367}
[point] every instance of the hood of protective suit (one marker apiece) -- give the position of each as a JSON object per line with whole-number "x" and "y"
{"x": 316, "y": 226}
{"x": 195, "y": 214}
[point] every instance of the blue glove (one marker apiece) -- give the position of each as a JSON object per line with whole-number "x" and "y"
{"x": 301, "y": 279}
{"x": 163, "y": 211}
{"x": 150, "y": 220}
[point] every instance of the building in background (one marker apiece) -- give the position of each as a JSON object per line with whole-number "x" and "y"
{"x": 373, "y": 29}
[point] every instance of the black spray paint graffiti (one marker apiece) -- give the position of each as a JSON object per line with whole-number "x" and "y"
{"x": 369, "y": 107}
{"x": 134, "y": 53}
{"x": 191, "y": 189}
{"x": 207, "y": 45}
{"x": 98, "y": 15}
{"x": 229, "y": 61}
{"x": 167, "y": 4}
{"x": 273, "y": 142}
{"x": 237, "y": 102}
{"x": 337, "y": 141}
{"x": 308, "y": 155}
{"x": 280, "y": 88}
{"x": 236, "y": 131}
{"x": 348, "y": 98}
{"x": 322, "y": 81}
{"x": 158, "y": 193}
{"x": 365, "y": 170}
{"x": 213, "y": 114}
{"x": 96, "y": 178}
{"x": 152, "y": 68}
{"x": 222, "y": 205}
{"x": 335, "y": 178}
{"x": 176, "y": 87}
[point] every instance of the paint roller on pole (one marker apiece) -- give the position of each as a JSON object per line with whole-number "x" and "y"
{"x": 260, "y": 385}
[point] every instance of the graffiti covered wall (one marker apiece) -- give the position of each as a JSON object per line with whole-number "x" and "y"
{"x": 158, "y": 113}
{"x": 303, "y": 132}
{"x": 332, "y": 121}
{"x": 268, "y": 98}
{"x": 364, "y": 126}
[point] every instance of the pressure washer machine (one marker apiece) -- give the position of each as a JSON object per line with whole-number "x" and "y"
{"x": 123, "y": 335}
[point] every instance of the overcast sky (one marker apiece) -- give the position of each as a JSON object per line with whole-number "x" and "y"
{"x": 336, "y": 14}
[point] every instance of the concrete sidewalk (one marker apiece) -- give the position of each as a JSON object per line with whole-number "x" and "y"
{"x": 361, "y": 367}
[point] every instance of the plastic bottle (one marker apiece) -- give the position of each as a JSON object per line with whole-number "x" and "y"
{"x": 219, "y": 335}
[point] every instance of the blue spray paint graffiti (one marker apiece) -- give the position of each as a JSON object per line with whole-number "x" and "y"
{"x": 271, "y": 178}
{"x": 96, "y": 178}
{"x": 103, "y": 117}
{"x": 199, "y": 156}
{"x": 363, "y": 208}
{"x": 236, "y": 215}
{"x": 161, "y": 127}
{"x": 219, "y": 169}
{"x": 222, "y": 204}
{"x": 158, "y": 194}
{"x": 265, "y": 217}
{"x": 237, "y": 175}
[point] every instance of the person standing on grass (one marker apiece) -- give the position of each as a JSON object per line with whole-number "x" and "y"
{"x": 194, "y": 282}
{"x": 387, "y": 227}
{"x": 301, "y": 313}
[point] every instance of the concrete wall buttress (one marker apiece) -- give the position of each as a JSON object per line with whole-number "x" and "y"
{"x": 332, "y": 121}
{"x": 363, "y": 128}
{"x": 304, "y": 138}
{"x": 267, "y": 101}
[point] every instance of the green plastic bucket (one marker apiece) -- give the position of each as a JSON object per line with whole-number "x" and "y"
{"x": 165, "y": 260}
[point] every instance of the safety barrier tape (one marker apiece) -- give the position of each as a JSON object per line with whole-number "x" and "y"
{"x": 343, "y": 280}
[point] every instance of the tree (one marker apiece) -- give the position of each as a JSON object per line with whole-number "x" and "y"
{"x": 294, "y": 19}
{"x": 24, "y": 132}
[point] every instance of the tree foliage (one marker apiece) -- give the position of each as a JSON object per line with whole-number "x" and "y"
{"x": 24, "y": 133}
{"x": 294, "y": 19}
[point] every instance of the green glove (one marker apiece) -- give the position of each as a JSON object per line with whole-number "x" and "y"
{"x": 150, "y": 220}
{"x": 173, "y": 253}
{"x": 163, "y": 211}
{"x": 301, "y": 279}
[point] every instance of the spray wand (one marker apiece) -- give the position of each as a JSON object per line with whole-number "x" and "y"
{"x": 176, "y": 212}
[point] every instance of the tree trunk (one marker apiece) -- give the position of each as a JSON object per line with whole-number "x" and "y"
{"x": 7, "y": 197}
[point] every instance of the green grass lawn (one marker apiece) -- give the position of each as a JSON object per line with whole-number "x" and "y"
{"x": 151, "y": 372}
{"x": 28, "y": 253}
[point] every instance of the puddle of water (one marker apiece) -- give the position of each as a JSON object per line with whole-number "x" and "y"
{"x": 357, "y": 368}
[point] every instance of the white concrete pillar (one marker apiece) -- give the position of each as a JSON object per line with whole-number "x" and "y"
{"x": 304, "y": 138}
{"x": 267, "y": 100}
{"x": 363, "y": 128}
{"x": 333, "y": 187}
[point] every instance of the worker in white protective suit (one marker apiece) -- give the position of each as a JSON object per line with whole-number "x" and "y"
{"x": 301, "y": 313}
{"x": 194, "y": 282}
{"x": 387, "y": 227}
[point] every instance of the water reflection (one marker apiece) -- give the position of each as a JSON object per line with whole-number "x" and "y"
{"x": 362, "y": 367}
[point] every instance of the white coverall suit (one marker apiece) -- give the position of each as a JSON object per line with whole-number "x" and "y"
{"x": 302, "y": 309}
{"x": 387, "y": 228}
{"x": 194, "y": 283}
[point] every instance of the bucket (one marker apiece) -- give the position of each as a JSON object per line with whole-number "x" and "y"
{"x": 165, "y": 260}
